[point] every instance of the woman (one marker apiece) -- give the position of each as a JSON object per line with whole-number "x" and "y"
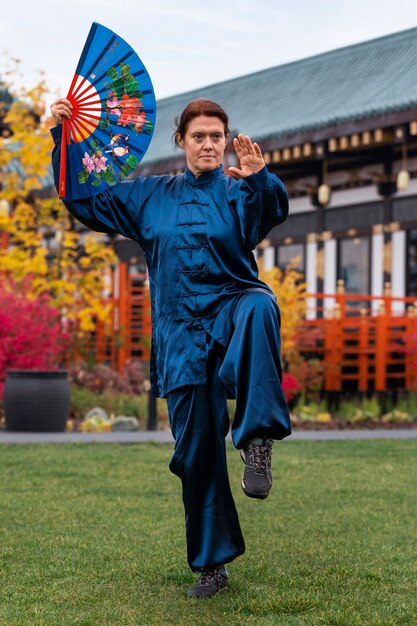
{"x": 215, "y": 325}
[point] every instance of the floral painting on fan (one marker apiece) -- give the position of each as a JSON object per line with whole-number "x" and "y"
{"x": 123, "y": 107}
{"x": 113, "y": 116}
{"x": 125, "y": 101}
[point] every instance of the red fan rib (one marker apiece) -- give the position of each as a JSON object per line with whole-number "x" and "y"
{"x": 79, "y": 95}
{"x": 91, "y": 99}
{"x": 78, "y": 127}
{"x": 78, "y": 86}
{"x": 85, "y": 117}
{"x": 86, "y": 108}
{"x": 63, "y": 169}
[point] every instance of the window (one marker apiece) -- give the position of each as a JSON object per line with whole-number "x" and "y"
{"x": 354, "y": 264}
{"x": 290, "y": 252}
{"x": 411, "y": 287}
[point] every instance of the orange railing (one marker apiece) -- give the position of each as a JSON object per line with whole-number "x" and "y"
{"x": 365, "y": 342}
{"x": 126, "y": 332}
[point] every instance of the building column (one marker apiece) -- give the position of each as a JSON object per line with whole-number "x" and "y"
{"x": 269, "y": 257}
{"x": 330, "y": 269}
{"x": 377, "y": 266}
{"x": 311, "y": 274}
{"x": 398, "y": 269}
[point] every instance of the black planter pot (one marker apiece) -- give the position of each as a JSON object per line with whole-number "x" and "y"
{"x": 36, "y": 400}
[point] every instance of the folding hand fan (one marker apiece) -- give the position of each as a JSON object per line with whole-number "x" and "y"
{"x": 112, "y": 120}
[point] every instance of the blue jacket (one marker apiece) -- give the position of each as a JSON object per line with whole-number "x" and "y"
{"x": 197, "y": 235}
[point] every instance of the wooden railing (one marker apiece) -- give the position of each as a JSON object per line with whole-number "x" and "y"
{"x": 365, "y": 342}
{"x": 126, "y": 333}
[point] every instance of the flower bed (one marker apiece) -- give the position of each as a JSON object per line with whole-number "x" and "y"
{"x": 360, "y": 413}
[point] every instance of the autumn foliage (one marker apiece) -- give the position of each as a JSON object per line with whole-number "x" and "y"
{"x": 43, "y": 252}
{"x": 300, "y": 375}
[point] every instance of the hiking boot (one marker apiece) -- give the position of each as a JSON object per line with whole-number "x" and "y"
{"x": 257, "y": 477}
{"x": 211, "y": 581}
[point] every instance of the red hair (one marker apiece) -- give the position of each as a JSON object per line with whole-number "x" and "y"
{"x": 201, "y": 106}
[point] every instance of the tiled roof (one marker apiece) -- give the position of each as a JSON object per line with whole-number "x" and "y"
{"x": 364, "y": 80}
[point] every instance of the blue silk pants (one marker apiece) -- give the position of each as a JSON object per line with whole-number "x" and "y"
{"x": 248, "y": 369}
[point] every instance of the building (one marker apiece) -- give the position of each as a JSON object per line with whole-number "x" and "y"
{"x": 338, "y": 128}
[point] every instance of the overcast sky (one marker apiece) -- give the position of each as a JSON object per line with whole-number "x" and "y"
{"x": 187, "y": 44}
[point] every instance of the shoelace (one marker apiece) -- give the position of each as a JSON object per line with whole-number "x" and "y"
{"x": 210, "y": 576}
{"x": 260, "y": 456}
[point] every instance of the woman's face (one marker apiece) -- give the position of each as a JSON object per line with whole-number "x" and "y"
{"x": 204, "y": 143}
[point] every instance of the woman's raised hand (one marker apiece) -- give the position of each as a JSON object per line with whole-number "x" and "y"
{"x": 61, "y": 108}
{"x": 249, "y": 155}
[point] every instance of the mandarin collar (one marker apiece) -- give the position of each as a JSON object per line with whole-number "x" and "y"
{"x": 205, "y": 177}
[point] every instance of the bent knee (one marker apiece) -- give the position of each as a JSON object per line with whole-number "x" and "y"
{"x": 257, "y": 302}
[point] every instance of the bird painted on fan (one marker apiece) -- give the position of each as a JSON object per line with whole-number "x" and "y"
{"x": 118, "y": 145}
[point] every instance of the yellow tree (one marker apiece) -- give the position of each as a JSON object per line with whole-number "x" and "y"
{"x": 290, "y": 290}
{"x": 41, "y": 248}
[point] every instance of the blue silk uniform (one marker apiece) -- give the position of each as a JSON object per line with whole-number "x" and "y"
{"x": 215, "y": 326}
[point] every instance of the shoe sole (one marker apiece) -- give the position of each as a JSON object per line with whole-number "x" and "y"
{"x": 206, "y": 597}
{"x": 250, "y": 494}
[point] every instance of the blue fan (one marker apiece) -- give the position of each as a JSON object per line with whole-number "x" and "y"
{"x": 113, "y": 116}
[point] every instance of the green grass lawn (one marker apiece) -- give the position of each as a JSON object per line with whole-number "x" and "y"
{"x": 93, "y": 535}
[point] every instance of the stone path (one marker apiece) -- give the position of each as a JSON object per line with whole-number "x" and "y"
{"x": 166, "y": 437}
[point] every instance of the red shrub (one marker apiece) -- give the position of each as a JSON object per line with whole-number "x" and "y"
{"x": 290, "y": 386}
{"x": 30, "y": 334}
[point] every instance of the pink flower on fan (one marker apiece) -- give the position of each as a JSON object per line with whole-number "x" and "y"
{"x": 139, "y": 121}
{"x": 88, "y": 163}
{"x": 100, "y": 164}
{"x": 113, "y": 103}
{"x": 136, "y": 120}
